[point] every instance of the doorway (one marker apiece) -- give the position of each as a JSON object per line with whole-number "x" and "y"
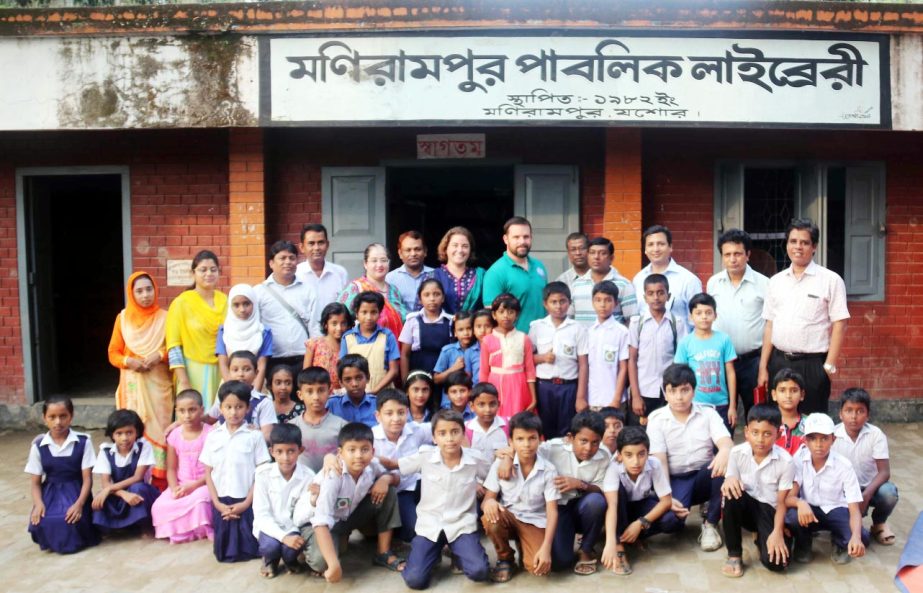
{"x": 73, "y": 240}
{"x": 434, "y": 199}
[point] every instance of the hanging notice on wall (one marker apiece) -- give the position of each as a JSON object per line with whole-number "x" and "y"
{"x": 179, "y": 272}
{"x": 791, "y": 80}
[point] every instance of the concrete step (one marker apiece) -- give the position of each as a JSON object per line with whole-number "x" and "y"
{"x": 89, "y": 413}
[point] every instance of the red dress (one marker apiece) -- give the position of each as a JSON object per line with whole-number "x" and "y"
{"x": 506, "y": 361}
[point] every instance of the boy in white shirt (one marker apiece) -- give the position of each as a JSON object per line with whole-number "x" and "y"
{"x": 447, "y": 513}
{"x": 561, "y": 366}
{"x": 638, "y": 496}
{"x": 261, "y": 414}
{"x": 277, "y": 489}
{"x": 825, "y": 496}
{"x": 866, "y": 446}
{"x": 608, "y": 350}
{"x": 684, "y": 437}
{"x": 359, "y": 496}
{"x": 523, "y": 507}
{"x": 757, "y": 482}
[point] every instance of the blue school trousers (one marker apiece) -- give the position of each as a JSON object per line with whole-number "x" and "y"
{"x": 630, "y": 511}
{"x": 425, "y": 554}
{"x": 557, "y": 405}
{"x": 836, "y": 522}
{"x": 697, "y": 487}
{"x": 272, "y": 550}
{"x": 585, "y": 515}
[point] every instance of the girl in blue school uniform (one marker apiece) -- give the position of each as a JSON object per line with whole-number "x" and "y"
{"x": 462, "y": 355}
{"x": 60, "y": 462}
{"x": 124, "y": 469}
{"x": 426, "y": 331}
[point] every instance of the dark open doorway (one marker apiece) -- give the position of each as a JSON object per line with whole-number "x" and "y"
{"x": 74, "y": 261}
{"x": 434, "y": 199}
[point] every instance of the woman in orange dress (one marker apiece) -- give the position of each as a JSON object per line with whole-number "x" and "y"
{"x": 138, "y": 350}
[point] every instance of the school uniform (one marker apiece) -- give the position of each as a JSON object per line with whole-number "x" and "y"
{"x": 447, "y": 514}
{"x": 655, "y": 343}
{"x": 467, "y": 414}
{"x": 556, "y": 383}
{"x": 608, "y": 347}
{"x": 488, "y": 442}
{"x": 116, "y": 513}
{"x": 450, "y": 353}
{"x": 233, "y": 458}
{"x": 755, "y": 510}
{"x": 638, "y": 496}
{"x": 869, "y": 446}
{"x": 578, "y": 512}
{"x": 274, "y": 500}
{"x": 525, "y": 501}
{"x": 62, "y": 467}
{"x": 829, "y": 493}
{"x": 347, "y": 409}
{"x": 342, "y": 506}
{"x": 690, "y": 448}
{"x": 426, "y": 338}
{"x": 408, "y": 491}
{"x": 260, "y": 410}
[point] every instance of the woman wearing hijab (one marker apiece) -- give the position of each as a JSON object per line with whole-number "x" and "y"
{"x": 242, "y": 330}
{"x": 138, "y": 350}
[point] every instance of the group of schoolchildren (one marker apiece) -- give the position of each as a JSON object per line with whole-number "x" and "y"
{"x": 521, "y": 436}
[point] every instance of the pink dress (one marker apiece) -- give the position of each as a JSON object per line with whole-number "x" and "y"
{"x": 188, "y": 518}
{"x": 506, "y": 361}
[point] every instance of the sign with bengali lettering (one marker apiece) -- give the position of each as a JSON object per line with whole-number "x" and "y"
{"x": 451, "y": 146}
{"x": 575, "y": 78}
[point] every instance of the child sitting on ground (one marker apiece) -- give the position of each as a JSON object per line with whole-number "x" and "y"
{"x": 866, "y": 446}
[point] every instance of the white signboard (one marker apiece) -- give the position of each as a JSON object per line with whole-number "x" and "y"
{"x": 179, "y": 272}
{"x": 674, "y": 80}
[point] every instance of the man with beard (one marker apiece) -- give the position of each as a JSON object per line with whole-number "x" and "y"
{"x": 518, "y": 274}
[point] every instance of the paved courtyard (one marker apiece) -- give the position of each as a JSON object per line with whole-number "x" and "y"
{"x": 673, "y": 565}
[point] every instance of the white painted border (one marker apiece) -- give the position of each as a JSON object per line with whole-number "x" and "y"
{"x": 24, "y": 315}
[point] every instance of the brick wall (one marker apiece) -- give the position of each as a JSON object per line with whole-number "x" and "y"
{"x": 884, "y": 340}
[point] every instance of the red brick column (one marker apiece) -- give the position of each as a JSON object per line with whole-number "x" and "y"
{"x": 622, "y": 188}
{"x": 247, "y": 205}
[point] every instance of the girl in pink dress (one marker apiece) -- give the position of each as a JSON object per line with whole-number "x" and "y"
{"x": 183, "y": 512}
{"x": 506, "y": 359}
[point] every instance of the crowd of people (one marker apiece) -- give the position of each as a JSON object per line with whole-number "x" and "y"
{"x": 428, "y": 406}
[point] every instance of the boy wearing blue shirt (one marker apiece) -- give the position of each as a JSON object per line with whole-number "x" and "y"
{"x": 711, "y": 355}
{"x": 356, "y": 405}
{"x": 376, "y": 344}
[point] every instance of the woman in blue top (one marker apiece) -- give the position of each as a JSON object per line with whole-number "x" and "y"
{"x": 461, "y": 283}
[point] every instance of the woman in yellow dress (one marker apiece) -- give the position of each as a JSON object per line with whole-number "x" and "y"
{"x": 138, "y": 349}
{"x": 192, "y": 330}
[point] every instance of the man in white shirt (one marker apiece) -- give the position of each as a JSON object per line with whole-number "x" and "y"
{"x": 739, "y": 292}
{"x": 326, "y": 278}
{"x": 287, "y": 307}
{"x": 658, "y": 247}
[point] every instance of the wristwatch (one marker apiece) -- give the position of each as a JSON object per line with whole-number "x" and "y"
{"x": 645, "y": 524}
{"x": 830, "y": 368}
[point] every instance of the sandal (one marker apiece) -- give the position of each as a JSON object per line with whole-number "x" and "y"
{"x": 389, "y": 560}
{"x": 733, "y": 568}
{"x": 622, "y": 565}
{"x": 585, "y": 567}
{"x": 883, "y": 534}
{"x": 502, "y": 572}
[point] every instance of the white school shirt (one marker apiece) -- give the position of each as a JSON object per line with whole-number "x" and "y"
{"x": 525, "y": 498}
{"x": 740, "y": 308}
{"x": 263, "y": 414}
{"x": 233, "y": 458}
{"x": 608, "y": 346}
{"x": 651, "y": 481}
{"x": 765, "y": 480}
{"x": 34, "y": 462}
{"x": 683, "y": 286}
{"x": 410, "y": 333}
{"x": 655, "y": 345}
{"x": 448, "y": 499}
{"x": 688, "y": 446}
{"x": 288, "y": 334}
{"x": 274, "y": 499}
{"x": 339, "y": 496}
{"x": 561, "y": 455}
{"x": 488, "y": 442}
{"x": 327, "y": 287}
{"x": 871, "y": 444}
{"x": 410, "y": 441}
{"x": 567, "y": 341}
{"x": 834, "y": 486}
{"x": 142, "y": 448}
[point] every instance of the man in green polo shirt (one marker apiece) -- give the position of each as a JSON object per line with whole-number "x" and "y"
{"x": 517, "y": 273}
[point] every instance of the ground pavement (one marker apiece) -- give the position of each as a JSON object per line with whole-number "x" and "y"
{"x": 670, "y": 564}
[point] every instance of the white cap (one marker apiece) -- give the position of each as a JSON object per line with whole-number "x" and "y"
{"x": 818, "y": 423}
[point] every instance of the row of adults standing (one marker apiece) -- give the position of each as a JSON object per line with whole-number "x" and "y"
{"x": 797, "y": 319}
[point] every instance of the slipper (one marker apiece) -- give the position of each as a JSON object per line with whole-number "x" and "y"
{"x": 883, "y": 534}
{"x": 585, "y": 567}
{"x": 395, "y": 565}
{"x": 733, "y": 568}
{"x": 502, "y": 572}
{"x": 622, "y": 566}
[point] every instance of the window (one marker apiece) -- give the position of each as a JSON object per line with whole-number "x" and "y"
{"x": 845, "y": 200}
